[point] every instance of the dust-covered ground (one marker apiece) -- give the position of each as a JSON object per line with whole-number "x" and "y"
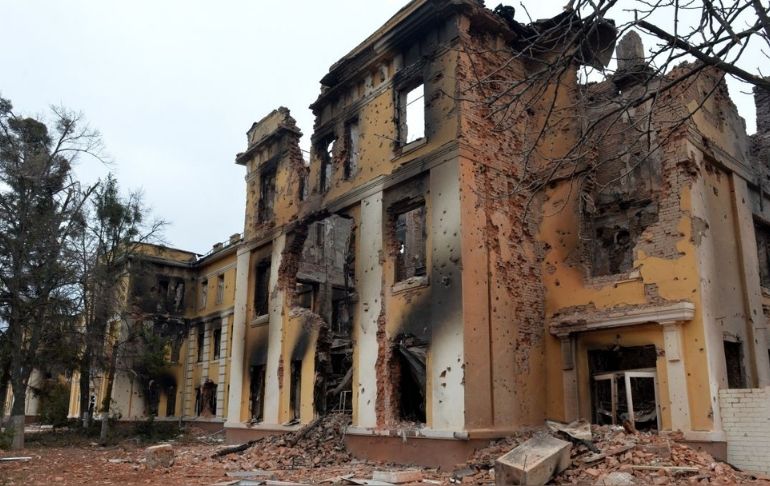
{"x": 317, "y": 455}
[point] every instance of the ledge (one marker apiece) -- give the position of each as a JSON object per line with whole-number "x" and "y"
{"x": 421, "y": 433}
{"x": 260, "y": 321}
{"x": 263, "y": 427}
{"x": 410, "y": 284}
{"x": 587, "y": 321}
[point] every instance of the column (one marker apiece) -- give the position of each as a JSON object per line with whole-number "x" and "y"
{"x": 756, "y": 326}
{"x": 238, "y": 337}
{"x": 275, "y": 336}
{"x": 221, "y": 382}
{"x": 679, "y": 404}
{"x": 569, "y": 379}
{"x": 189, "y": 398}
{"x": 369, "y": 279}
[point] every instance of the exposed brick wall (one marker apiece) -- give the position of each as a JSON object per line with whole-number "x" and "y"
{"x": 746, "y": 421}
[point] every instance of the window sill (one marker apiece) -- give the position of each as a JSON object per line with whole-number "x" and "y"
{"x": 603, "y": 280}
{"x": 260, "y": 321}
{"x": 412, "y": 146}
{"x": 411, "y": 283}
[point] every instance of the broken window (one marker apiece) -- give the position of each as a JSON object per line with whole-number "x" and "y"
{"x": 303, "y": 192}
{"x": 411, "y": 359}
{"x": 296, "y": 389}
{"x": 762, "y": 232}
{"x": 325, "y": 150}
{"x": 217, "y": 341}
{"x": 201, "y": 337}
{"x": 257, "y": 392}
{"x": 204, "y": 293}
{"x": 266, "y": 195}
{"x": 410, "y": 243}
{"x": 352, "y": 136}
{"x": 734, "y": 360}
{"x": 624, "y": 386}
{"x": 220, "y": 288}
{"x": 262, "y": 289}
{"x": 411, "y": 104}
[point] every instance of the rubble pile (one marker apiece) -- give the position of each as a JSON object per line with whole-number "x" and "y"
{"x": 317, "y": 445}
{"x": 645, "y": 458}
{"x": 623, "y": 458}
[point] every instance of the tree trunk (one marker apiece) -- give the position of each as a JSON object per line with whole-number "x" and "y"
{"x": 108, "y": 397}
{"x": 85, "y": 394}
{"x": 16, "y": 424}
{"x": 5, "y": 380}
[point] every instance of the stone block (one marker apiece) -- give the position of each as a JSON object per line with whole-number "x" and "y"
{"x": 159, "y": 456}
{"x": 534, "y": 462}
{"x": 398, "y": 477}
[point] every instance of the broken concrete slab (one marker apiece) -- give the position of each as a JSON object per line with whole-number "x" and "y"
{"x": 534, "y": 462}
{"x": 617, "y": 478}
{"x": 251, "y": 474}
{"x": 159, "y": 456}
{"x": 398, "y": 477}
{"x": 578, "y": 430}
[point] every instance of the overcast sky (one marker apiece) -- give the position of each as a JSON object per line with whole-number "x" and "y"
{"x": 173, "y": 86}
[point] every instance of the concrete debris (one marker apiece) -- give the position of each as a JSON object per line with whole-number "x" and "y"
{"x": 534, "y": 462}
{"x": 159, "y": 456}
{"x": 398, "y": 477}
{"x": 617, "y": 478}
{"x": 579, "y": 429}
{"x": 9, "y": 459}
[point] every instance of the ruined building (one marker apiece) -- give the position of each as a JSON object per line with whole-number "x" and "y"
{"x": 402, "y": 276}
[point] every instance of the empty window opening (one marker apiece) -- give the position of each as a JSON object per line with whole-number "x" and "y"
{"x": 296, "y": 390}
{"x": 204, "y": 293}
{"x": 153, "y": 398}
{"x": 201, "y": 339}
{"x": 341, "y": 318}
{"x": 352, "y": 139}
{"x": 266, "y": 195}
{"x": 303, "y": 188}
{"x": 412, "y": 114}
{"x": 262, "y": 289}
{"x": 170, "y": 401}
{"x": 762, "y": 232}
{"x": 410, "y": 241}
{"x": 616, "y": 228}
{"x": 220, "y": 288}
{"x": 217, "y": 341}
{"x": 736, "y": 377}
{"x": 257, "y": 392}
{"x": 208, "y": 399}
{"x": 410, "y": 387}
{"x": 305, "y": 295}
{"x": 624, "y": 386}
{"x": 325, "y": 150}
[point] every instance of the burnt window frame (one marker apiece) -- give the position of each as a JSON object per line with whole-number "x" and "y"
{"x": 351, "y": 165}
{"x": 203, "y": 293}
{"x": 764, "y": 226}
{"x": 395, "y": 212}
{"x": 324, "y": 149}
{"x": 257, "y": 392}
{"x": 267, "y": 174}
{"x": 220, "y": 297}
{"x": 216, "y": 342}
{"x": 262, "y": 294}
{"x": 200, "y": 342}
{"x": 404, "y": 82}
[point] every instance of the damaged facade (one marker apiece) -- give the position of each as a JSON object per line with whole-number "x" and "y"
{"x": 398, "y": 276}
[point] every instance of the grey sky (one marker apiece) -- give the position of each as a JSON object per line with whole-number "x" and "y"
{"x": 173, "y": 85}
